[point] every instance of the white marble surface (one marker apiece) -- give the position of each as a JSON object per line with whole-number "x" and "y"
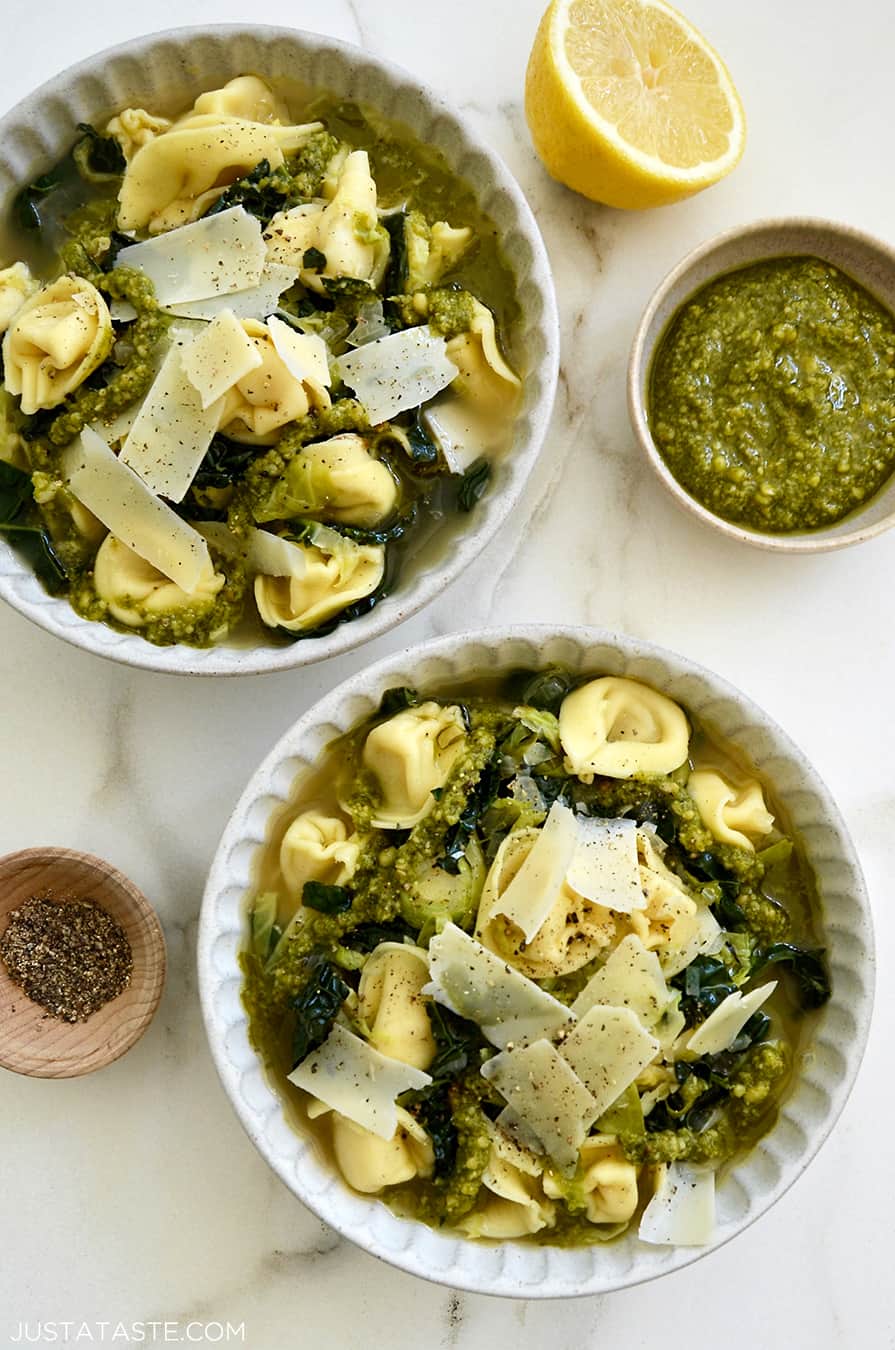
{"x": 133, "y": 1194}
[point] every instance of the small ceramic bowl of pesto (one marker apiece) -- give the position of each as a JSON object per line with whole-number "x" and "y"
{"x": 761, "y": 385}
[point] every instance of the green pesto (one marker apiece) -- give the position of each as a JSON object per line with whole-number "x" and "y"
{"x": 742, "y": 1118}
{"x": 265, "y": 487}
{"x": 448, "y": 312}
{"x": 772, "y": 395}
{"x": 129, "y": 382}
{"x": 199, "y": 625}
{"x": 303, "y": 174}
{"x": 446, "y": 1200}
{"x": 56, "y": 503}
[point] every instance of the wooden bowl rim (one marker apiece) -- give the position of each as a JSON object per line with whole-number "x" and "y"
{"x": 138, "y": 907}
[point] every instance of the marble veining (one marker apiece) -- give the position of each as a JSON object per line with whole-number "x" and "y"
{"x": 135, "y": 1195}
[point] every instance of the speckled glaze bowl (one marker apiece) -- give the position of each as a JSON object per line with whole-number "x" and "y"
{"x": 828, "y": 1066}
{"x": 867, "y": 260}
{"x": 166, "y": 71}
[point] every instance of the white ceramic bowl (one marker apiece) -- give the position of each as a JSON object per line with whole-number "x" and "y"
{"x": 166, "y": 71}
{"x": 826, "y": 1073}
{"x": 868, "y": 261}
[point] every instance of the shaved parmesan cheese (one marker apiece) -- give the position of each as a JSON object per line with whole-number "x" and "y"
{"x": 125, "y": 505}
{"x": 460, "y": 432}
{"x": 275, "y": 557}
{"x": 605, "y": 868}
{"x": 354, "y": 1079}
{"x": 705, "y": 937}
{"x": 721, "y": 1028}
{"x": 220, "y": 356}
{"x": 545, "y": 1095}
{"x": 608, "y": 1048}
{"x": 172, "y": 431}
{"x": 213, "y": 256}
{"x": 682, "y": 1211}
{"x": 477, "y": 985}
{"x": 397, "y": 372}
{"x": 631, "y": 978}
{"x": 253, "y": 302}
{"x": 303, "y": 354}
{"x": 266, "y": 553}
{"x": 533, "y": 892}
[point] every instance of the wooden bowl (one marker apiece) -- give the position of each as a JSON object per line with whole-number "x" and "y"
{"x": 33, "y": 1042}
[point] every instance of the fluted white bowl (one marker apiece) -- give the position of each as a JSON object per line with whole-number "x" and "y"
{"x": 166, "y": 71}
{"x": 827, "y": 1067}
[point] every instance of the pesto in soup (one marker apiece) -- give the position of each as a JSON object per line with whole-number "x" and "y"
{"x": 521, "y": 955}
{"x": 772, "y": 395}
{"x": 255, "y": 357}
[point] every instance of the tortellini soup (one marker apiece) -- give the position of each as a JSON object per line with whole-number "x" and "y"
{"x": 534, "y": 960}
{"x": 257, "y": 352}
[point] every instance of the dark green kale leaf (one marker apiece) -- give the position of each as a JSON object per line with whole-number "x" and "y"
{"x": 20, "y": 521}
{"x": 316, "y": 1005}
{"x": 225, "y": 463}
{"x": 395, "y": 278}
{"x": 547, "y": 689}
{"x": 367, "y": 936}
{"x": 262, "y": 193}
{"x": 16, "y": 492}
{"x": 26, "y": 203}
{"x": 480, "y": 798}
{"x": 91, "y": 155}
{"x": 313, "y": 259}
{"x": 704, "y": 984}
{"x": 420, "y": 449}
{"x": 397, "y": 699}
{"x": 326, "y": 899}
{"x": 473, "y": 484}
{"x": 458, "y": 1043}
{"x": 434, "y": 1113}
{"x": 808, "y": 966}
{"x": 383, "y": 534}
{"x": 348, "y": 294}
{"x": 101, "y": 155}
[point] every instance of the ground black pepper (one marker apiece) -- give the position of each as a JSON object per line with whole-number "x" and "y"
{"x": 70, "y": 956}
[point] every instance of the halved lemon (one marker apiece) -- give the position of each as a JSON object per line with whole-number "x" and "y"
{"x": 628, "y": 104}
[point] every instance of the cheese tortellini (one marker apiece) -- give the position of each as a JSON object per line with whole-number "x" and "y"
{"x": 432, "y": 250}
{"x": 672, "y": 925}
{"x": 327, "y": 582}
{"x": 135, "y": 127}
{"x": 733, "y": 815}
{"x": 410, "y": 756}
{"x": 136, "y": 592}
{"x": 346, "y": 230}
{"x": 370, "y": 1164}
{"x": 317, "y": 847}
{"x": 391, "y": 1005}
{"x": 574, "y": 932}
{"x": 258, "y": 406}
{"x": 605, "y": 1179}
{"x": 177, "y": 173}
{"x": 338, "y": 480}
{"x": 515, "y": 1205}
{"x": 56, "y": 339}
{"x": 483, "y": 377}
{"x": 16, "y": 286}
{"x": 621, "y": 728}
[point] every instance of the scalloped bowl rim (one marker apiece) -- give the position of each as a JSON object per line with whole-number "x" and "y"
{"x": 514, "y": 1269}
{"x": 56, "y": 616}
